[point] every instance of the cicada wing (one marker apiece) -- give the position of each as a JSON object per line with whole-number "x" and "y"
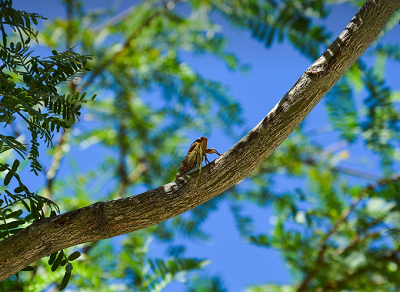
{"x": 188, "y": 163}
{"x": 199, "y": 158}
{"x": 194, "y": 145}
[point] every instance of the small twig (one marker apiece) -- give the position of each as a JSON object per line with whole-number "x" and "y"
{"x": 115, "y": 19}
{"x": 122, "y": 170}
{"x": 357, "y": 241}
{"x": 55, "y": 162}
{"x": 339, "y": 168}
{"x": 139, "y": 170}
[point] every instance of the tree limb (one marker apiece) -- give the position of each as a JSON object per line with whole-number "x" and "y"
{"x": 108, "y": 219}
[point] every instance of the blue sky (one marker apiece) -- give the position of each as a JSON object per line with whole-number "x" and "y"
{"x": 273, "y": 71}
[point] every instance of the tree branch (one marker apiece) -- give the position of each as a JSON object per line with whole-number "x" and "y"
{"x": 108, "y": 219}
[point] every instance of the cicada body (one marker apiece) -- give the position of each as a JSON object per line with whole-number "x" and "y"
{"x": 194, "y": 157}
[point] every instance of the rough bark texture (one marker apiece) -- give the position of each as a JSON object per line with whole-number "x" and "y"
{"x": 108, "y": 219}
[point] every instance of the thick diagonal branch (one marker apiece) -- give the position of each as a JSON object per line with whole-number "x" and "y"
{"x": 109, "y": 219}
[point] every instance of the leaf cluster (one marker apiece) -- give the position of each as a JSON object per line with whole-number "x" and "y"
{"x": 32, "y": 203}
{"x": 276, "y": 20}
{"x": 29, "y": 93}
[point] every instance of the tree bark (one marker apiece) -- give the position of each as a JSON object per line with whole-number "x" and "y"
{"x": 108, "y": 219}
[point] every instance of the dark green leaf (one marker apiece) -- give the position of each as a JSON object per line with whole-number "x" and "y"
{"x": 25, "y": 205}
{"x": 8, "y": 178}
{"x": 69, "y": 268}
{"x": 65, "y": 281}
{"x": 34, "y": 20}
{"x": 10, "y": 225}
{"x": 52, "y": 258}
{"x": 19, "y": 189}
{"x": 28, "y": 269}
{"x": 14, "y": 214}
{"x": 57, "y": 261}
{"x": 16, "y": 230}
{"x": 74, "y": 256}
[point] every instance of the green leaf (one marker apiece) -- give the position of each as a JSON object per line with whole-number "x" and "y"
{"x": 65, "y": 281}
{"x": 342, "y": 110}
{"x": 25, "y": 205}
{"x": 74, "y": 256}
{"x": 8, "y": 178}
{"x": 19, "y": 189}
{"x": 270, "y": 288}
{"x": 12, "y": 224}
{"x": 52, "y": 258}
{"x": 28, "y": 269}
{"x": 14, "y": 214}
{"x": 260, "y": 240}
{"x": 354, "y": 77}
{"x": 69, "y": 268}
{"x": 57, "y": 261}
{"x": 16, "y": 230}
{"x": 34, "y": 20}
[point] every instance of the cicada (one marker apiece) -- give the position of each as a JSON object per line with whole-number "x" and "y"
{"x": 194, "y": 157}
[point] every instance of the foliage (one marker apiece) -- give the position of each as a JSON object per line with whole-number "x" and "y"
{"x": 335, "y": 229}
{"x": 292, "y": 19}
{"x": 29, "y": 88}
{"x": 28, "y": 91}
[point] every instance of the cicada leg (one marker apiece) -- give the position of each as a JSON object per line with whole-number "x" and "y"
{"x": 212, "y": 150}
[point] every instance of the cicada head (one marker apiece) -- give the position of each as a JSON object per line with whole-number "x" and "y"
{"x": 199, "y": 142}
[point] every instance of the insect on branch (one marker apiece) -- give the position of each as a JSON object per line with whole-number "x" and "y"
{"x": 194, "y": 157}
